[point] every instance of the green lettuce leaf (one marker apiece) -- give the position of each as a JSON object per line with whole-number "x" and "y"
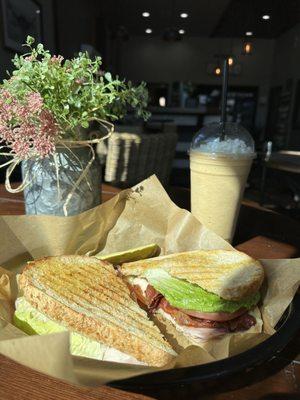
{"x": 32, "y": 322}
{"x": 182, "y": 294}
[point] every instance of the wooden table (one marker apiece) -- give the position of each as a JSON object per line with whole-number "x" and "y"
{"x": 264, "y": 235}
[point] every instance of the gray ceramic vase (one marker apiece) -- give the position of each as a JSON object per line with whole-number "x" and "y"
{"x": 47, "y": 195}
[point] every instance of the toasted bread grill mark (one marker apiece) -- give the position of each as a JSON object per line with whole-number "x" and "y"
{"x": 117, "y": 319}
{"x": 102, "y": 285}
{"x": 86, "y": 296}
{"x": 87, "y": 299}
{"x": 103, "y": 332}
{"x": 117, "y": 285}
{"x": 90, "y": 276}
{"x": 231, "y": 275}
{"x": 78, "y": 292}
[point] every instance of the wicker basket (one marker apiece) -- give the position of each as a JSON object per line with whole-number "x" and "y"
{"x": 132, "y": 157}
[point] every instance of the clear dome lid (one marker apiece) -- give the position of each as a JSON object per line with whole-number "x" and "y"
{"x": 236, "y": 141}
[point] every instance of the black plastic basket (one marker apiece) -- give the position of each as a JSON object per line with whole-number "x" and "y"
{"x": 287, "y": 328}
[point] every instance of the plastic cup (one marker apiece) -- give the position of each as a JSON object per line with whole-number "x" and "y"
{"x": 219, "y": 171}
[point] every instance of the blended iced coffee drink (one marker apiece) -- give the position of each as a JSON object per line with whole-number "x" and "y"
{"x": 219, "y": 172}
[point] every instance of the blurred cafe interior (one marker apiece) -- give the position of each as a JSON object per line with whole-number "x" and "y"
{"x": 178, "y": 47}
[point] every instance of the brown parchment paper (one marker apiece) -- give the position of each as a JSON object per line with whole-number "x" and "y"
{"x": 131, "y": 219}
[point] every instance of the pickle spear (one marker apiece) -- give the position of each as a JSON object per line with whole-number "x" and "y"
{"x": 138, "y": 253}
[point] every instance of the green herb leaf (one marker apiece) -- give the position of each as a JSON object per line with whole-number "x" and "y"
{"x": 84, "y": 124}
{"x": 30, "y": 40}
{"x": 74, "y": 91}
{"x": 108, "y": 76}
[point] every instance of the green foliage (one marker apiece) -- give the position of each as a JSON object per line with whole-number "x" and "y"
{"x": 75, "y": 91}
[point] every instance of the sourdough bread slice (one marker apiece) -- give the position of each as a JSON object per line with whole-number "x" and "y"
{"x": 85, "y": 295}
{"x": 232, "y": 275}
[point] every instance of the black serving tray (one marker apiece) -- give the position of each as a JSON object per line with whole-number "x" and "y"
{"x": 286, "y": 329}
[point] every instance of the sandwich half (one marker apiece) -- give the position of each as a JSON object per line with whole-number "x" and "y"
{"x": 85, "y": 296}
{"x": 197, "y": 295}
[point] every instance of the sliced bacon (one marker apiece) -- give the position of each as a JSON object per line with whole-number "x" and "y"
{"x": 137, "y": 294}
{"x": 242, "y": 323}
{"x": 151, "y": 298}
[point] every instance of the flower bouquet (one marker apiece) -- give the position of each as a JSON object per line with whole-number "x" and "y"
{"x": 46, "y": 108}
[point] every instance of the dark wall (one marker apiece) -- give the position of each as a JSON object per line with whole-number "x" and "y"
{"x": 286, "y": 68}
{"x": 48, "y": 35}
{"x": 66, "y": 25}
{"x": 76, "y": 25}
{"x": 5, "y": 54}
{"x": 5, "y": 57}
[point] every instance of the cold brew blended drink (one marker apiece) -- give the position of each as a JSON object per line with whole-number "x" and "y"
{"x": 219, "y": 172}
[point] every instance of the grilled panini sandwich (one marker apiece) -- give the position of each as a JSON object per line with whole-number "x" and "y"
{"x": 85, "y": 296}
{"x": 197, "y": 295}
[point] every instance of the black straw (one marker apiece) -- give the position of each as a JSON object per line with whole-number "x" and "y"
{"x": 224, "y": 97}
